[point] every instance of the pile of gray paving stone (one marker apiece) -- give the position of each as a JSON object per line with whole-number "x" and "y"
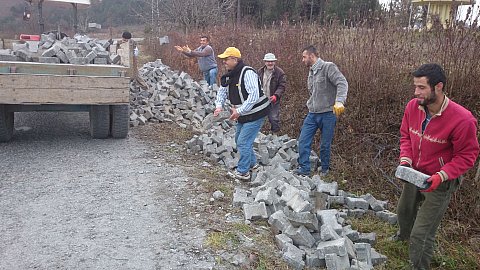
{"x": 309, "y": 215}
{"x": 170, "y": 96}
{"x": 79, "y": 50}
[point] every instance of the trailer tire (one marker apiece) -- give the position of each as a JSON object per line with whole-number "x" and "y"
{"x": 6, "y": 124}
{"x": 99, "y": 121}
{"x": 120, "y": 120}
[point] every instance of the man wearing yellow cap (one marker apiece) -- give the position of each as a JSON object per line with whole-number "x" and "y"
{"x": 242, "y": 86}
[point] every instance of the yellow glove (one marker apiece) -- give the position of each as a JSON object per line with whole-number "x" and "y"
{"x": 338, "y": 108}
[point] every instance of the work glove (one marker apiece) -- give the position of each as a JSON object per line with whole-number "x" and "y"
{"x": 273, "y": 99}
{"x": 435, "y": 181}
{"x": 405, "y": 164}
{"x": 338, "y": 108}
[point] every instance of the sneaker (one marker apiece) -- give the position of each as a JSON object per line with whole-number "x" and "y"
{"x": 323, "y": 173}
{"x": 239, "y": 176}
{"x": 301, "y": 173}
{"x": 255, "y": 167}
{"x": 396, "y": 238}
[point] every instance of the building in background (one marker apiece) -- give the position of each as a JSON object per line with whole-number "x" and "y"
{"x": 438, "y": 12}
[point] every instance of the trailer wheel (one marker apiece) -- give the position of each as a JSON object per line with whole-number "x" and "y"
{"x": 99, "y": 121}
{"x": 120, "y": 117}
{"x": 6, "y": 124}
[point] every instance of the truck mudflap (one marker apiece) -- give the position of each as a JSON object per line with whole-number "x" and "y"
{"x": 6, "y": 124}
{"x": 119, "y": 117}
{"x": 99, "y": 121}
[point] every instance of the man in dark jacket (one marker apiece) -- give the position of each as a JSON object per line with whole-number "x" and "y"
{"x": 274, "y": 83}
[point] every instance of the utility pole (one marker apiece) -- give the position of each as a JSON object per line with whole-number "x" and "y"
{"x": 239, "y": 10}
{"x": 41, "y": 22}
{"x": 75, "y": 18}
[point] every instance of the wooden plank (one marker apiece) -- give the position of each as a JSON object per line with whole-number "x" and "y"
{"x": 62, "y": 69}
{"x": 49, "y": 89}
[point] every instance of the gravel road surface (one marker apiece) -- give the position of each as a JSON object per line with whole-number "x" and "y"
{"x": 71, "y": 202}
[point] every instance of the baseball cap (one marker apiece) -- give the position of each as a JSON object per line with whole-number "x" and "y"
{"x": 230, "y": 51}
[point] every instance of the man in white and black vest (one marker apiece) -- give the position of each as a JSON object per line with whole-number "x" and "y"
{"x": 242, "y": 86}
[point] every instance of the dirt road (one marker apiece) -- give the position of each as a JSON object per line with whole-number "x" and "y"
{"x": 71, "y": 202}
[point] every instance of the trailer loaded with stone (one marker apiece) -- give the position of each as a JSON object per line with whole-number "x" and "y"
{"x": 72, "y": 74}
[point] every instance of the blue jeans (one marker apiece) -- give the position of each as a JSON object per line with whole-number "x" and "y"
{"x": 244, "y": 137}
{"x": 211, "y": 76}
{"x": 326, "y": 123}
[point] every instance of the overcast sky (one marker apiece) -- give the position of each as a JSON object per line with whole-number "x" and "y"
{"x": 462, "y": 9}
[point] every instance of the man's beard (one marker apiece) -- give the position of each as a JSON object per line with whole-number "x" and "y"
{"x": 428, "y": 100}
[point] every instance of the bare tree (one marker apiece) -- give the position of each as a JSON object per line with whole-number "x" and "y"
{"x": 187, "y": 14}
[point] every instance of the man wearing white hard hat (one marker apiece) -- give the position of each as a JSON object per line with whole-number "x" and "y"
{"x": 274, "y": 83}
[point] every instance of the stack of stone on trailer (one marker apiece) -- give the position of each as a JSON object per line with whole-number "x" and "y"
{"x": 79, "y": 50}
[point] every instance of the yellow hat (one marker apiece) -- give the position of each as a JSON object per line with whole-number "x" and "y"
{"x": 230, "y": 51}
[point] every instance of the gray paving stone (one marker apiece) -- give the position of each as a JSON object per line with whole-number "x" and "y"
{"x": 327, "y": 233}
{"x": 240, "y": 197}
{"x": 9, "y": 57}
{"x": 63, "y": 58}
{"x": 282, "y": 241}
{"x": 298, "y": 204}
{"x": 363, "y": 251}
{"x": 369, "y": 238}
{"x": 356, "y": 203}
{"x": 300, "y": 236}
{"x": 329, "y": 217}
{"x": 335, "y": 200}
{"x": 387, "y": 216}
{"x": 50, "y": 60}
{"x": 374, "y": 203}
{"x": 294, "y": 256}
{"x": 330, "y": 188}
{"x": 377, "y": 258}
{"x": 350, "y": 233}
{"x": 412, "y": 176}
{"x": 255, "y": 211}
{"x": 312, "y": 260}
{"x": 358, "y": 265}
{"x": 335, "y": 262}
{"x": 268, "y": 196}
{"x": 279, "y": 221}
{"x": 356, "y": 213}
{"x": 306, "y": 219}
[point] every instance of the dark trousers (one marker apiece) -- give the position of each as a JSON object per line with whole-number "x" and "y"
{"x": 274, "y": 116}
{"x": 419, "y": 215}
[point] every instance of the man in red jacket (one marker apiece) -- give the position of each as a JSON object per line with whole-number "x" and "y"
{"x": 438, "y": 138}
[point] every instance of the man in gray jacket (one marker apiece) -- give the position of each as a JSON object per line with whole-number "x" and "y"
{"x": 206, "y": 59}
{"x": 328, "y": 92}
